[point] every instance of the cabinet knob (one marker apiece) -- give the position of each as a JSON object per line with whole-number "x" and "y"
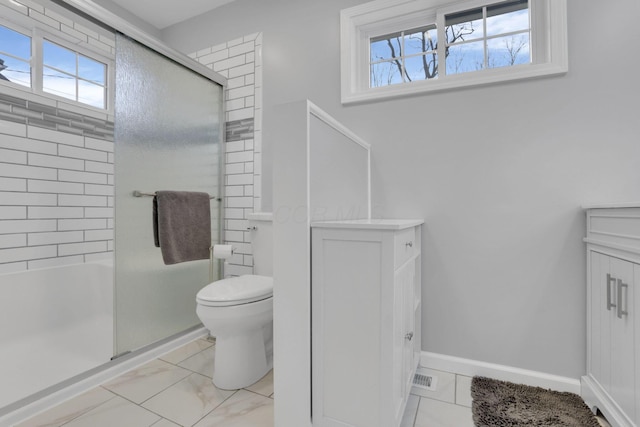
{"x": 409, "y": 336}
{"x": 409, "y": 244}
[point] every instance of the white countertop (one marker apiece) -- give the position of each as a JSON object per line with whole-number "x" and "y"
{"x": 612, "y": 205}
{"x": 380, "y": 224}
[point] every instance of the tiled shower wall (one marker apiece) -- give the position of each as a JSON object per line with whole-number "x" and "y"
{"x": 56, "y": 161}
{"x": 240, "y": 62}
{"x": 56, "y": 158}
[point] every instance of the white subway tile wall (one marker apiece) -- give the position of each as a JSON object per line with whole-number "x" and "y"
{"x": 56, "y": 161}
{"x": 240, "y": 62}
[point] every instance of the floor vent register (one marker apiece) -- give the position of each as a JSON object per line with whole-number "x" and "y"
{"x": 425, "y": 382}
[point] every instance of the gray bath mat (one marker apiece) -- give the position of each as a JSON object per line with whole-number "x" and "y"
{"x": 504, "y": 404}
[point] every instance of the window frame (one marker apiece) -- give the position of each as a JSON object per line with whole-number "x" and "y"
{"x": 38, "y": 36}
{"x": 361, "y": 23}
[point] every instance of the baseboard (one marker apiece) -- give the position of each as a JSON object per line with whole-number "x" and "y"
{"x": 54, "y": 396}
{"x": 471, "y": 368}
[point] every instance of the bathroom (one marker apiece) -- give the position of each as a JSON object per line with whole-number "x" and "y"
{"x": 503, "y": 265}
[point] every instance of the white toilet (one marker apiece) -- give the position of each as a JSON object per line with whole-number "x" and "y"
{"x": 238, "y": 311}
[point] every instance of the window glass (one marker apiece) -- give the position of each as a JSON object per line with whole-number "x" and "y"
{"x": 421, "y": 40}
{"x": 508, "y": 50}
{"x": 465, "y": 57}
{"x": 506, "y": 42}
{"x": 58, "y": 83}
{"x": 91, "y": 70}
{"x": 464, "y": 26}
{"x": 15, "y": 57}
{"x": 385, "y": 74}
{"x": 404, "y": 56}
{"x": 508, "y": 17}
{"x": 73, "y": 76}
{"x": 386, "y": 47}
{"x": 59, "y": 58}
{"x": 91, "y": 94}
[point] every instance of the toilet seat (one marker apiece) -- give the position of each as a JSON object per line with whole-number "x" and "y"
{"x": 236, "y": 290}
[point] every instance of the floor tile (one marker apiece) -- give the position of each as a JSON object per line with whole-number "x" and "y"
{"x": 165, "y": 423}
{"x": 115, "y": 412}
{"x": 264, "y": 386}
{"x": 243, "y": 409}
{"x": 201, "y": 363}
{"x": 187, "y": 401}
{"x": 435, "y": 413}
{"x": 147, "y": 380}
{"x": 70, "y": 409}
{"x": 463, "y": 391}
{"x": 186, "y": 351}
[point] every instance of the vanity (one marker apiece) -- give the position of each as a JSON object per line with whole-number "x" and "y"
{"x": 612, "y": 381}
{"x": 366, "y": 311}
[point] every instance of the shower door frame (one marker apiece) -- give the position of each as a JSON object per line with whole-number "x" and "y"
{"x": 117, "y": 23}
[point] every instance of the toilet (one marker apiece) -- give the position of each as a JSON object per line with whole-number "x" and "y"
{"x": 238, "y": 312}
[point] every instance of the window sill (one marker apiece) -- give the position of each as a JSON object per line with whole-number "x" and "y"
{"x": 423, "y": 87}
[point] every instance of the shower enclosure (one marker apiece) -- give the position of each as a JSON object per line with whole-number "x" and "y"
{"x": 168, "y": 128}
{"x": 64, "y": 319}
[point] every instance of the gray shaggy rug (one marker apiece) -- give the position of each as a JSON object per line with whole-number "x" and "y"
{"x": 504, "y": 404}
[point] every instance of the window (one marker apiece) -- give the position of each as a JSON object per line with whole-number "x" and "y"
{"x": 402, "y": 47}
{"x": 15, "y": 57}
{"x": 47, "y": 67}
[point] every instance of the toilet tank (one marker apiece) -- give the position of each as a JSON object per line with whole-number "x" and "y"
{"x": 261, "y": 228}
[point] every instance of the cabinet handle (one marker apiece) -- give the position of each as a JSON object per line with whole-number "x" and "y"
{"x": 609, "y": 289}
{"x": 621, "y": 286}
{"x": 409, "y": 244}
{"x": 409, "y": 336}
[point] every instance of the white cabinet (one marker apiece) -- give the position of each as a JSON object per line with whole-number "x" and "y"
{"x": 612, "y": 383}
{"x": 366, "y": 302}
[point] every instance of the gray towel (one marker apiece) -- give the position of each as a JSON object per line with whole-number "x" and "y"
{"x": 183, "y": 225}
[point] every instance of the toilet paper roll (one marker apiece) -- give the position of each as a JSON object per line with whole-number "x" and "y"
{"x": 222, "y": 251}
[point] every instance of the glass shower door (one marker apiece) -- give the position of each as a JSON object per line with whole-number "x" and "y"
{"x": 168, "y": 137}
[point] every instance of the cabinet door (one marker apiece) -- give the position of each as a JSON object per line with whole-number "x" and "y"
{"x": 403, "y": 335}
{"x": 600, "y": 336}
{"x": 636, "y": 307}
{"x": 622, "y": 336}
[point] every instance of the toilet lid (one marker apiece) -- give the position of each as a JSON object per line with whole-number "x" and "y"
{"x": 236, "y": 290}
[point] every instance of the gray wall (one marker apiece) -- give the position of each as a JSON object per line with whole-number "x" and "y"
{"x": 499, "y": 173}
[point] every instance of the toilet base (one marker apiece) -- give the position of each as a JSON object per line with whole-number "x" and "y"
{"x": 241, "y": 360}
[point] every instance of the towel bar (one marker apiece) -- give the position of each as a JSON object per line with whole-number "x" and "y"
{"x": 137, "y": 193}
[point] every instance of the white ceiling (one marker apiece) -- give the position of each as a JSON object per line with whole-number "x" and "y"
{"x": 164, "y": 13}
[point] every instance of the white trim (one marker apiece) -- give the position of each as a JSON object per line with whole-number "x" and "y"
{"x": 471, "y": 368}
{"x": 104, "y": 373}
{"x": 360, "y": 22}
{"x": 612, "y": 205}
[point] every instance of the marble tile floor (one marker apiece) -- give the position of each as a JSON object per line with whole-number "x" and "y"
{"x": 176, "y": 390}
